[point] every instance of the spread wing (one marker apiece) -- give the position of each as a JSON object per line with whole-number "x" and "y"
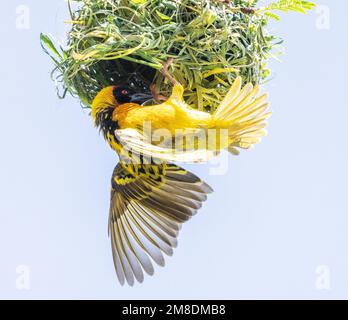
{"x": 148, "y": 205}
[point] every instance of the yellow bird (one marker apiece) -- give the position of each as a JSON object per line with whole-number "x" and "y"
{"x": 151, "y": 197}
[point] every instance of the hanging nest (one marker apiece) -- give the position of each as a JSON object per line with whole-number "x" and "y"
{"x": 211, "y": 42}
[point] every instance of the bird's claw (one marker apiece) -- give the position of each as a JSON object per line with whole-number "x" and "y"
{"x": 157, "y": 97}
{"x": 165, "y": 72}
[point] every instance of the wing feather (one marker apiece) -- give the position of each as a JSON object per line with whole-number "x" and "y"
{"x": 148, "y": 206}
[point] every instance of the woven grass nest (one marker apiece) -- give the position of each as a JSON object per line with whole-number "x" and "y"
{"x": 211, "y": 42}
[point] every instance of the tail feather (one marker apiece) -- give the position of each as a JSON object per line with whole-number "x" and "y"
{"x": 244, "y": 114}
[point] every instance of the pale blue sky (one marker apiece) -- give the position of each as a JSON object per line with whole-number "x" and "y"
{"x": 279, "y": 213}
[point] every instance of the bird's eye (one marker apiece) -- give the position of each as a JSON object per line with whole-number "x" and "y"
{"x": 124, "y": 92}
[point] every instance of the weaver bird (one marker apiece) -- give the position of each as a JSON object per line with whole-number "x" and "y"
{"x": 150, "y": 199}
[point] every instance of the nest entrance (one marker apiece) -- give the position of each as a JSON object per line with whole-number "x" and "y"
{"x": 133, "y": 74}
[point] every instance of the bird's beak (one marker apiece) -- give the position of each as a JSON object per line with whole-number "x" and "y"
{"x": 140, "y": 98}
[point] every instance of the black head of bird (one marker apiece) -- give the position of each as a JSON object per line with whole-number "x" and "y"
{"x": 126, "y": 94}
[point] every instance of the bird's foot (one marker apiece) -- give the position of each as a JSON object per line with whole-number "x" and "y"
{"x": 156, "y": 95}
{"x": 165, "y": 72}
